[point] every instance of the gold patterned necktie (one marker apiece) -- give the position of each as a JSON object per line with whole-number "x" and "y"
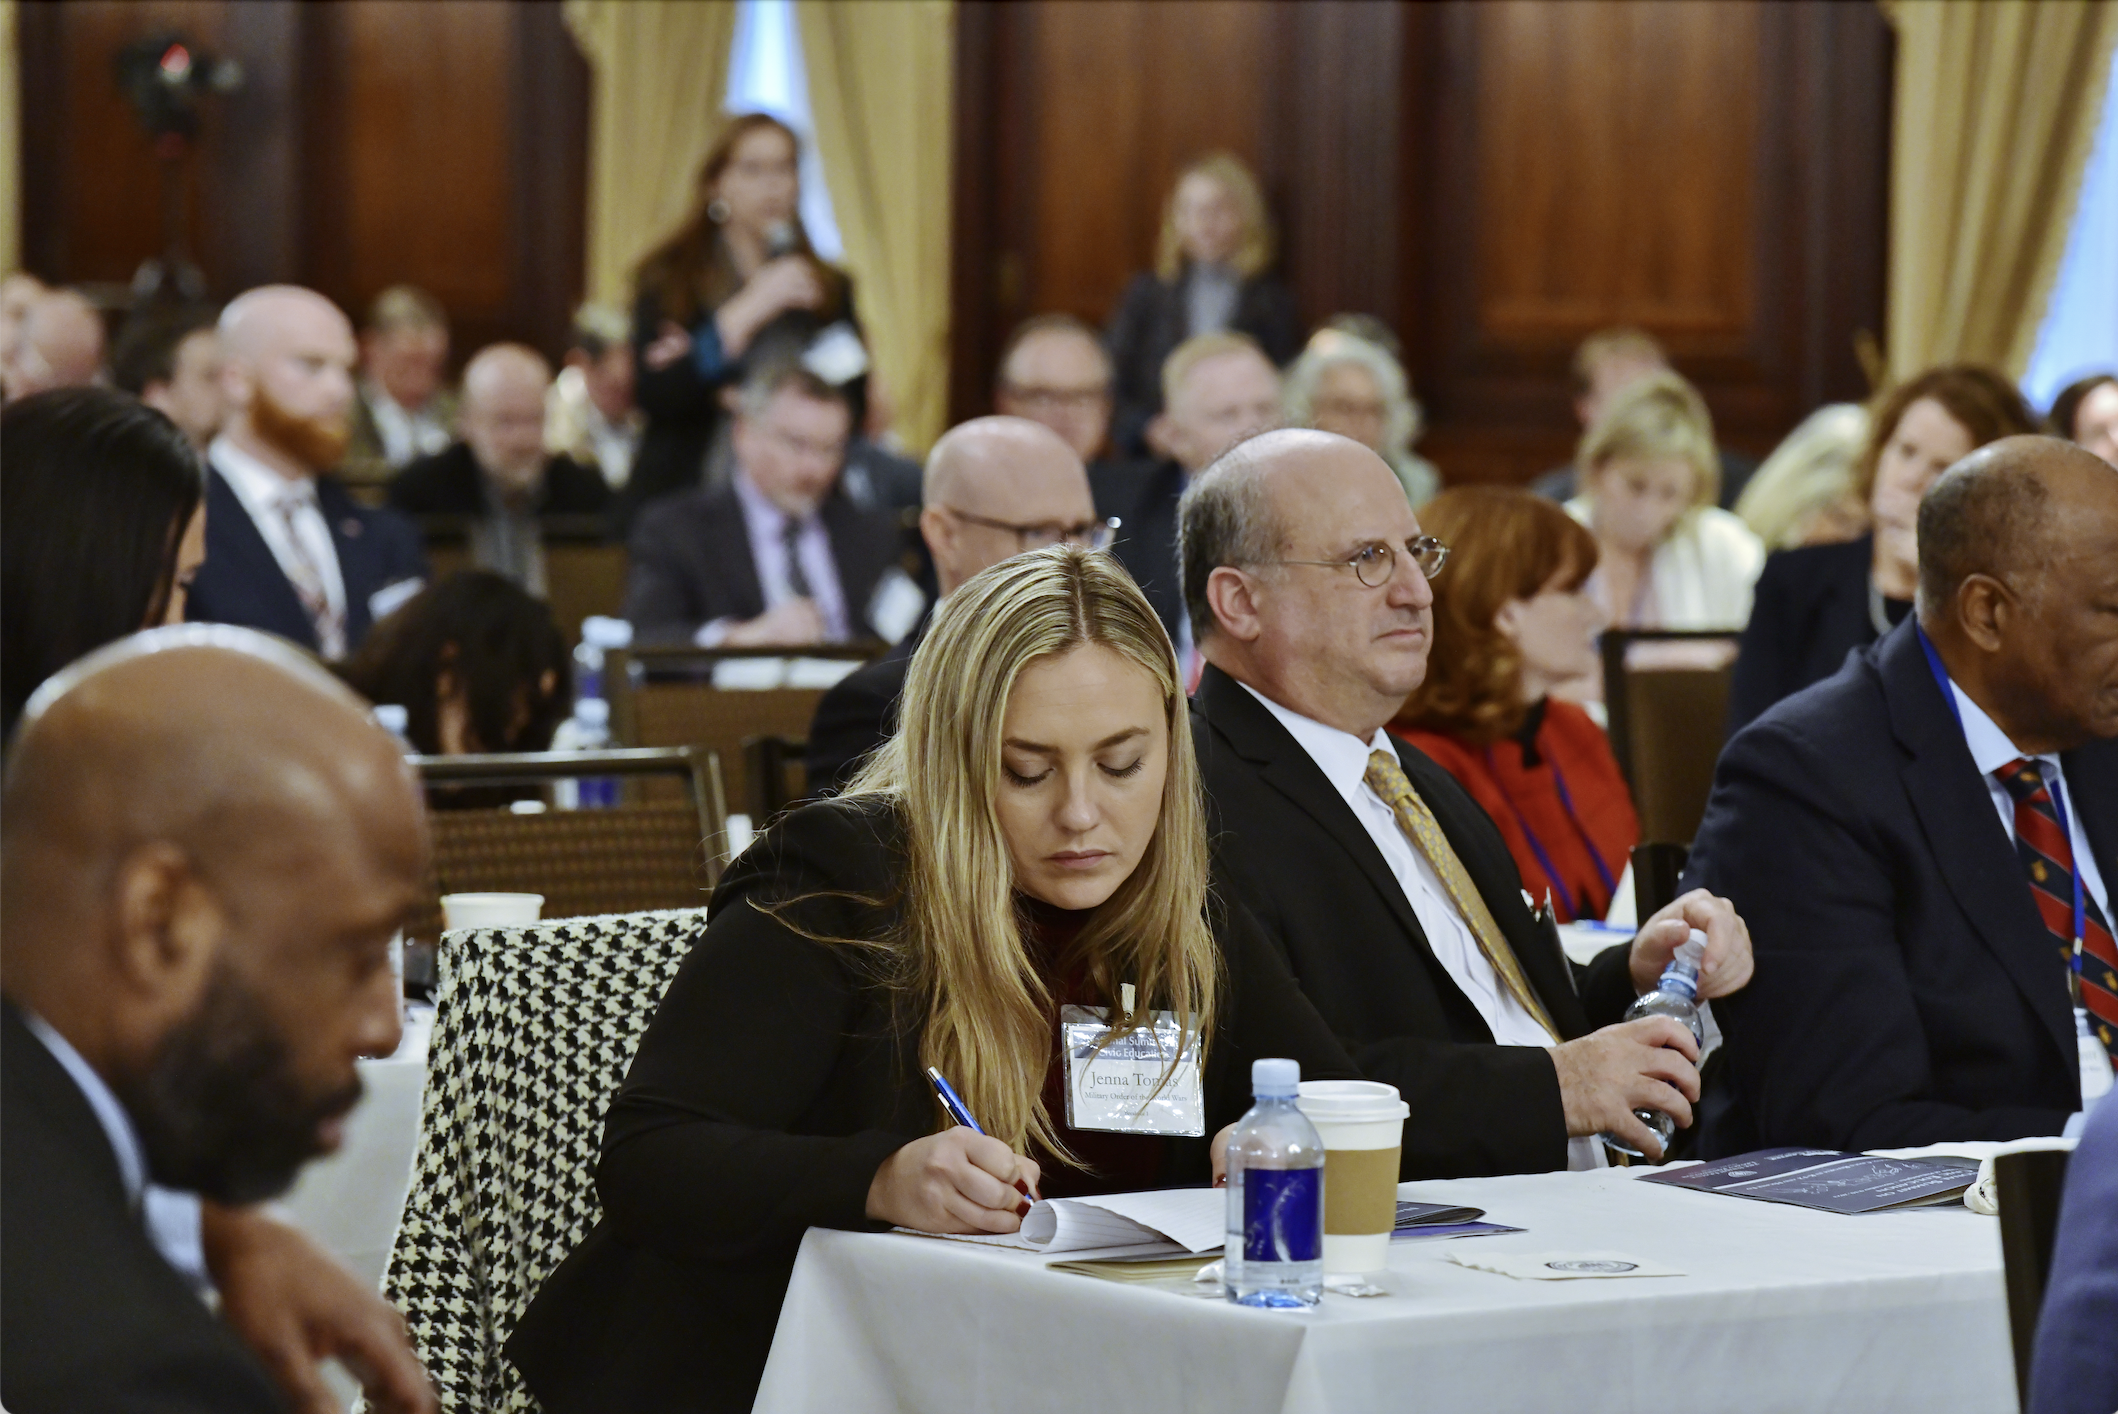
{"x": 306, "y": 578}
{"x": 1387, "y": 779}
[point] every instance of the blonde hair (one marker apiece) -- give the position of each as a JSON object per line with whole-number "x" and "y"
{"x": 1808, "y": 477}
{"x": 1199, "y": 348}
{"x": 1622, "y": 342}
{"x": 1254, "y": 252}
{"x": 959, "y": 949}
{"x": 1660, "y": 417}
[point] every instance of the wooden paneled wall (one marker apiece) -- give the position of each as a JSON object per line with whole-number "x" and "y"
{"x": 1494, "y": 178}
{"x": 437, "y": 142}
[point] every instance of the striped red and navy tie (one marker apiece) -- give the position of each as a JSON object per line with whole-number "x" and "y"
{"x": 2048, "y": 856}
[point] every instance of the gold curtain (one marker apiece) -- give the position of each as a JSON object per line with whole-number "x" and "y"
{"x": 1997, "y": 105}
{"x": 10, "y": 145}
{"x": 659, "y": 73}
{"x": 881, "y": 85}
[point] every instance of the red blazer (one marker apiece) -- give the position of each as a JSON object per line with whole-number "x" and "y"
{"x": 1524, "y": 800}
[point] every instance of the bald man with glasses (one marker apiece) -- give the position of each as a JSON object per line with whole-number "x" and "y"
{"x": 1389, "y": 891}
{"x": 994, "y": 487}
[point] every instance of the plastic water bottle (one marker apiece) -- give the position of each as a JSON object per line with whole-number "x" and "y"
{"x": 2095, "y": 1061}
{"x": 1275, "y": 1251}
{"x": 587, "y": 730}
{"x": 1676, "y": 995}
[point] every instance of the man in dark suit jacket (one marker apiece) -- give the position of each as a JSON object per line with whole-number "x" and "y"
{"x": 2075, "y": 1370}
{"x": 188, "y": 981}
{"x": 1220, "y": 388}
{"x": 1438, "y": 981}
{"x": 287, "y": 549}
{"x": 995, "y": 487}
{"x": 780, "y": 555}
{"x": 498, "y": 479}
{"x": 1912, "y": 977}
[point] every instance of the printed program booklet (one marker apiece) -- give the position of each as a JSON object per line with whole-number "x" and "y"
{"x": 1829, "y": 1180}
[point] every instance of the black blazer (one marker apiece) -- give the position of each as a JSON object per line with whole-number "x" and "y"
{"x": 449, "y": 483}
{"x": 691, "y": 563}
{"x": 1144, "y": 495}
{"x": 241, "y": 583}
{"x": 769, "y": 1087}
{"x": 92, "y": 1318}
{"x": 1906, "y": 989}
{"x": 857, "y": 715}
{"x": 1150, "y": 322}
{"x": 1325, "y": 898}
{"x": 1810, "y": 611}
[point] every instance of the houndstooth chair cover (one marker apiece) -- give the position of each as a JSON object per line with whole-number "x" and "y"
{"x": 535, "y": 1028}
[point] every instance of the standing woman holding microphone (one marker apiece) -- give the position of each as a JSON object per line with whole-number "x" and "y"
{"x": 737, "y": 280}
{"x": 1033, "y": 838}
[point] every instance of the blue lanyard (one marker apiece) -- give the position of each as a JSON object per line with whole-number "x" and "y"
{"x": 2059, "y": 795}
{"x": 1544, "y": 861}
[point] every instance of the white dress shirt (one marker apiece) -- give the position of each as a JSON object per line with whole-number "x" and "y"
{"x": 765, "y": 525}
{"x": 171, "y": 1217}
{"x": 261, "y": 490}
{"x": 405, "y": 435}
{"x": 1991, "y": 750}
{"x": 1343, "y": 758}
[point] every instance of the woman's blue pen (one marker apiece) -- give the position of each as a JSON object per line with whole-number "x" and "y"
{"x": 951, "y": 1101}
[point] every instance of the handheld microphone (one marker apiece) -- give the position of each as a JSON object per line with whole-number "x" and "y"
{"x": 780, "y": 240}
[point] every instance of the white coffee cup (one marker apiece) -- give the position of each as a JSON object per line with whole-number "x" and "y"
{"x": 490, "y": 910}
{"x": 1362, "y": 1124}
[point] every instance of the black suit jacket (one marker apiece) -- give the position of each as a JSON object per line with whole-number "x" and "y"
{"x": 1810, "y": 611}
{"x": 1151, "y": 321}
{"x": 1325, "y": 897}
{"x": 92, "y": 1318}
{"x": 691, "y": 563}
{"x": 856, "y": 716}
{"x": 770, "y": 1086}
{"x": 1906, "y": 989}
{"x": 449, "y": 483}
{"x": 241, "y": 583}
{"x": 1144, "y": 495}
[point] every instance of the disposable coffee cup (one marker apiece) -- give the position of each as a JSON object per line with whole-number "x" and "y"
{"x": 1362, "y": 1124}
{"x": 490, "y": 910}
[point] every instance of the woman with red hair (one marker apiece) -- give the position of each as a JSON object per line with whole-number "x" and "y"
{"x": 1513, "y": 621}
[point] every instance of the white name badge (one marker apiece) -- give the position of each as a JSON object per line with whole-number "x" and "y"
{"x": 1138, "y": 1084}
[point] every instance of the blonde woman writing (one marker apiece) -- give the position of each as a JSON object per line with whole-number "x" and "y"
{"x": 1033, "y": 837}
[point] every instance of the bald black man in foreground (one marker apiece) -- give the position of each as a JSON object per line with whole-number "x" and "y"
{"x": 205, "y": 849}
{"x": 1904, "y": 837}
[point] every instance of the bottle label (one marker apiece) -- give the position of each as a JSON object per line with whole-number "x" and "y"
{"x": 1283, "y": 1215}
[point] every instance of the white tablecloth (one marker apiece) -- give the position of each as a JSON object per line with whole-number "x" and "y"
{"x": 351, "y": 1200}
{"x": 1781, "y": 1309}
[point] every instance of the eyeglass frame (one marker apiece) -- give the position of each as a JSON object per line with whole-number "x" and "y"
{"x": 1422, "y": 546}
{"x": 1100, "y": 532}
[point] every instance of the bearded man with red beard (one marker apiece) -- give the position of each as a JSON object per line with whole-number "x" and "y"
{"x": 288, "y": 550}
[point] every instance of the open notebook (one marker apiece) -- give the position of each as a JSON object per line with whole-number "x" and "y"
{"x": 1195, "y": 1219}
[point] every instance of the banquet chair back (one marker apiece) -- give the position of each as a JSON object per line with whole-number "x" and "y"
{"x": 535, "y": 1028}
{"x": 639, "y": 854}
{"x": 779, "y": 778}
{"x": 680, "y": 697}
{"x": 584, "y": 569}
{"x": 2028, "y": 1186}
{"x": 1666, "y": 695}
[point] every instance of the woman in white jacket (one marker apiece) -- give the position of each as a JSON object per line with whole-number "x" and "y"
{"x": 1670, "y": 557}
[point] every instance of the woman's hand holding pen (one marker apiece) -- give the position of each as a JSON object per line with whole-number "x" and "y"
{"x": 956, "y": 1181}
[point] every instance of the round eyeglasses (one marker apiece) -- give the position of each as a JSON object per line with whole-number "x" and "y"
{"x": 1374, "y": 563}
